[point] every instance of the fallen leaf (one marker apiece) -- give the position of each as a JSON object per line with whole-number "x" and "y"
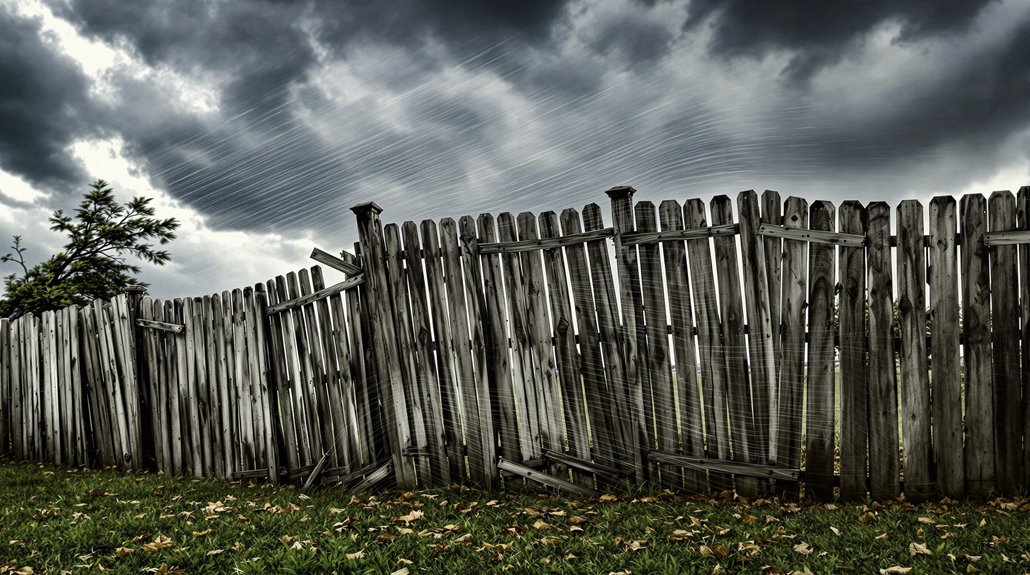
{"x": 803, "y": 549}
{"x": 895, "y": 570}
{"x": 835, "y": 531}
{"x": 918, "y": 549}
{"x": 355, "y": 555}
{"x": 122, "y": 551}
{"x": 541, "y": 525}
{"x": 401, "y": 571}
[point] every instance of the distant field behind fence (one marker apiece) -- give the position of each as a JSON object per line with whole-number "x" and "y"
{"x": 761, "y": 346}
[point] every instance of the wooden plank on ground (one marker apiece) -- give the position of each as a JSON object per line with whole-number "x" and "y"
{"x": 791, "y": 380}
{"x": 633, "y": 332}
{"x": 741, "y": 404}
{"x": 915, "y": 373}
{"x": 854, "y": 434}
{"x": 428, "y": 386}
{"x": 564, "y": 334}
{"x": 761, "y": 335}
{"x": 709, "y": 342}
{"x": 626, "y": 451}
{"x": 681, "y": 314}
{"x": 660, "y": 403}
{"x": 544, "y": 362}
{"x": 597, "y": 396}
{"x": 1005, "y": 311}
{"x": 820, "y": 405}
{"x": 502, "y": 395}
{"x": 883, "y": 389}
{"x": 476, "y": 301}
{"x": 976, "y": 320}
{"x": 522, "y": 352}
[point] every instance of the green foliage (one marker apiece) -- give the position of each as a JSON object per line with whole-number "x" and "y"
{"x": 93, "y": 264}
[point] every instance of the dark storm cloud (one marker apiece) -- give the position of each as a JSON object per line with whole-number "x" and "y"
{"x": 43, "y": 106}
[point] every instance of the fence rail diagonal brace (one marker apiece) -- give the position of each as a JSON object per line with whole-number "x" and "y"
{"x": 326, "y": 258}
{"x": 588, "y": 466}
{"x": 819, "y": 236}
{"x": 320, "y": 294}
{"x": 373, "y": 478}
{"x": 734, "y": 467}
{"x": 543, "y": 478}
{"x": 160, "y": 325}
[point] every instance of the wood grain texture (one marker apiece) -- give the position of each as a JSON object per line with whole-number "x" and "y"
{"x": 914, "y": 367}
{"x": 821, "y": 378}
{"x": 1023, "y": 223}
{"x": 1005, "y": 312}
{"x": 790, "y": 382}
{"x": 883, "y": 389}
{"x": 979, "y": 380}
{"x": 854, "y": 434}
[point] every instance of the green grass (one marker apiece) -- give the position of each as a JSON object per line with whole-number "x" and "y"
{"x": 77, "y": 521}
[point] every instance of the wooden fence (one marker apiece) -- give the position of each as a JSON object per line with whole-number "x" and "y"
{"x": 759, "y": 347}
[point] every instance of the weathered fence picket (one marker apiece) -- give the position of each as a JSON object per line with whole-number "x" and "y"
{"x": 700, "y": 354}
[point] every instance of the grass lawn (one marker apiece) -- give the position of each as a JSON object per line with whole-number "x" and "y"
{"x": 56, "y": 520}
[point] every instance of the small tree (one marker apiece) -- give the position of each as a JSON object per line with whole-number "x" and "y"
{"x": 92, "y": 265}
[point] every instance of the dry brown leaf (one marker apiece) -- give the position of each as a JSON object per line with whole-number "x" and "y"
{"x": 607, "y": 497}
{"x": 355, "y": 556}
{"x": 204, "y": 533}
{"x": 123, "y": 551}
{"x": 835, "y": 531}
{"x": 918, "y": 549}
{"x": 895, "y": 570}
{"x": 415, "y": 515}
{"x": 401, "y": 571}
{"x": 927, "y": 521}
{"x": 803, "y": 549}
{"x": 541, "y": 525}
{"x": 160, "y": 542}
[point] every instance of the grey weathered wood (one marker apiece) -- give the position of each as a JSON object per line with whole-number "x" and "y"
{"x": 739, "y": 469}
{"x": 339, "y": 264}
{"x": 318, "y": 295}
{"x": 772, "y": 213}
{"x": 659, "y": 399}
{"x": 479, "y": 397}
{"x": 243, "y": 382}
{"x": 1023, "y": 223}
{"x": 883, "y": 389}
{"x": 677, "y": 277}
{"x": 337, "y": 446}
{"x": 529, "y": 245}
{"x": 160, "y": 325}
{"x": 322, "y": 412}
{"x": 820, "y": 404}
{"x": 564, "y": 336}
{"x": 740, "y": 402}
{"x": 5, "y": 384}
{"x": 591, "y": 364}
{"x": 257, "y": 310}
{"x": 295, "y": 388}
{"x": 347, "y": 436}
{"x": 1005, "y": 311}
{"x": 226, "y": 427}
{"x": 309, "y": 376}
{"x": 979, "y": 381}
{"x": 366, "y": 413}
{"x": 502, "y": 396}
{"x": 428, "y": 384}
{"x": 633, "y": 334}
{"x": 946, "y": 374}
{"x": 465, "y": 375}
{"x": 204, "y": 430}
{"x": 761, "y": 333}
{"x": 625, "y": 441}
{"x": 543, "y": 478}
{"x": 395, "y": 274}
{"x": 446, "y": 370}
{"x": 232, "y": 393}
{"x": 545, "y": 375}
{"x": 790, "y": 382}
{"x": 1007, "y": 238}
{"x": 178, "y": 393}
{"x": 717, "y": 231}
{"x": 813, "y": 236}
{"x": 914, "y": 369}
{"x": 214, "y": 411}
{"x": 854, "y": 434}
{"x": 522, "y": 353}
{"x": 709, "y": 341}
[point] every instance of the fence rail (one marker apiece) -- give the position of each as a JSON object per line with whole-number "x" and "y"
{"x": 759, "y": 345}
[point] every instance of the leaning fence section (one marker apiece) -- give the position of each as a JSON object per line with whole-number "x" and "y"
{"x": 773, "y": 347}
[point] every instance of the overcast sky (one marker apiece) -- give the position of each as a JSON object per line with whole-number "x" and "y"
{"x": 260, "y": 123}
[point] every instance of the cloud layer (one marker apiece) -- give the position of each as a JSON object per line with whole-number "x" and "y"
{"x": 274, "y": 117}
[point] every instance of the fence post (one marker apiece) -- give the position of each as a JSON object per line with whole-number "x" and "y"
{"x": 134, "y": 295}
{"x": 384, "y": 343}
{"x": 632, "y": 320}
